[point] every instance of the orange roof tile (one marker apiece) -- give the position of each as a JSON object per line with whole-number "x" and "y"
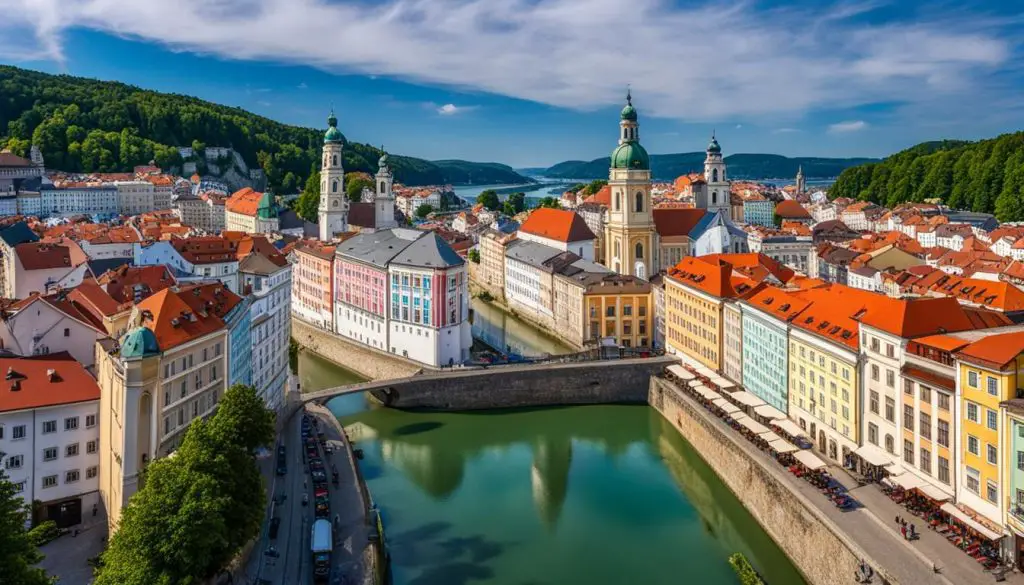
{"x": 28, "y": 383}
{"x": 942, "y": 342}
{"x": 995, "y": 350}
{"x": 676, "y": 221}
{"x": 777, "y": 303}
{"x": 602, "y": 197}
{"x": 755, "y": 265}
{"x": 244, "y": 201}
{"x": 790, "y": 209}
{"x": 557, "y": 224}
{"x": 175, "y": 322}
{"x": 129, "y": 284}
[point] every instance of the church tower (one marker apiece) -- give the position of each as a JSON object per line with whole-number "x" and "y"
{"x": 714, "y": 175}
{"x": 384, "y": 200}
{"x": 333, "y": 211}
{"x": 801, "y": 184}
{"x": 630, "y": 239}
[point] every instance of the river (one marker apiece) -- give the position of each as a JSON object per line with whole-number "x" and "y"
{"x": 596, "y": 495}
{"x": 507, "y": 334}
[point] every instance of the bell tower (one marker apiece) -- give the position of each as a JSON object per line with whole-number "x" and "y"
{"x": 717, "y": 184}
{"x": 384, "y": 200}
{"x": 333, "y": 210}
{"x": 630, "y": 240}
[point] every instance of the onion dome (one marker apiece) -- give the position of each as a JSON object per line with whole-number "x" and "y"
{"x": 628, "y": 112}
{"x": 630, "y": 155}
{"x": 332, "y": 135}
{"x": 714, "y": 147}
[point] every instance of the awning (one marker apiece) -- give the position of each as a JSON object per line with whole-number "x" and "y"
{"x": 971, "y": 523}
{"x": 752, "y": 425}
{"x": 725, "y": 405}
{"x": 932, "y": 492}
{"x": 746, "y": 398}
{"x": 873, "y": 455}
{"x": 783, "y": 446}
{"x": 770, "y": 412}
{"x": 679, "y": 372}
{"x": 770, "y": 436}
{"x": 706, "y": 392}
{"x": 809, "y": 460}
{"x": 721, "y": 382}
{"x": 694, "y": 382}
{"x": 907, "y": 481}
{"x": 789, "y": 427}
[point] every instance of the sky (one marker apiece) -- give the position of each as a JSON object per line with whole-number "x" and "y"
{"x": 535, "y": 82}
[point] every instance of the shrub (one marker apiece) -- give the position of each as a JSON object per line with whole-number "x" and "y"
{"x": 43, "y": 533}
{"x": 746, "y": 573}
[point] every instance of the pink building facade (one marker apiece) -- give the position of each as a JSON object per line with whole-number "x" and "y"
{"x": 313, "y": 284}
{"x": 360, "y": 302}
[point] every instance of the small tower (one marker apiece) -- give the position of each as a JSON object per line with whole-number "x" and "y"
{"x": 267, "y": 214}
{"x": 36, "y": 156}
{"x": 384, "y": 200}
{"x": 714, "y": 175}
{"x": 630, "y": 244}
{"x": 801, "y": 184}
{"x": 333, "y": 210}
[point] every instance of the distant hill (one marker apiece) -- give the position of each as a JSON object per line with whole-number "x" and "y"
{"x": 985, "y": 176}
{"x": 87, "y": 125}
{"x": 665, "y": 167}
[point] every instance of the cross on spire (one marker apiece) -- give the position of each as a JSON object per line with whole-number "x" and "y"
{"x": 629, "y": 95}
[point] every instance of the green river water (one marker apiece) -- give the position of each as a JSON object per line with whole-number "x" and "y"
{"x": 596, "y": 495}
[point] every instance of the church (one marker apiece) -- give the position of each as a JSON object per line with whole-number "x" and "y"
{"x": 642, "y": 240}
{"x": 336, "y": 213}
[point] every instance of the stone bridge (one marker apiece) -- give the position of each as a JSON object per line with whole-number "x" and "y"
{"x": 599, "y": 382}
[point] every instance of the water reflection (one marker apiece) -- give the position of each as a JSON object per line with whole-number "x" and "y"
{"x": 506, "y": 333}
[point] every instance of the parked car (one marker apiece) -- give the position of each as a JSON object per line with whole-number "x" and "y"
{"x": 275, "y": 523}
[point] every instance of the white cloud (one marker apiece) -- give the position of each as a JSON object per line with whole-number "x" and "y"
{"x": 738, "y": 126}
{"x": 448, "y": 109}
{"x": 545, "y": 51}
{"x": 303, "y": 85}
{"x": 784, "y": 130}
{"x": 848, "y": 126}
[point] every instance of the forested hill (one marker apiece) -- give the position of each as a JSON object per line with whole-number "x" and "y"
{"x": 87, "y": 125}
{"x": 666, "y": 167}
{"x": 986, "y": 176}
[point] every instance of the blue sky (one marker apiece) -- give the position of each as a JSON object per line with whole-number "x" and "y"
{"x": 534, "y": 82}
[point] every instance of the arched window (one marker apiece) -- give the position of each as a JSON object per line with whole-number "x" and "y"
{"x": 334, "y": 186}
{"x": 714, "y": 198}
{"x": 889, "y": 446}
{"x": 618, "y": 202}
{"x": 335, "y": 204}
{"x": 714, "y": 175}
{"x": 625, "y": 133}
{"x": 638, "y": 251}
{"x": 640, "y": 270}
{"x": 382, "y": 187}
{"x": 335, "y": 160}
{"x": 639, "y": 197}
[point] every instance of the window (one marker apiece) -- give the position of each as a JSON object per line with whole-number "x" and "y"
{"x": 890, "y": 409}
{"x": 944, "y": 401}
{"x": 908, "y": 417}
{"x": 943, "y": 470}
{"x": 973, "y": 479}
{"x": 926, "y": 461}
{"x": 973, "y": 446}
{"x": 992, "y": 453}
{"x": 874, "y": 372}
{"x": 90, "y": 447}
{"x": 71, "y": 476}
{"x": 992, "y": 419}
{"x": 71, "y": 450}
{"x": 991, "y": 491}
{"x": 908, "y": 452}
{"x": 49, "y": 454}
{"x": 972, "y": 412}
{"x": 890, "y": 378}
{"x": 993, "y": 386}
{"x": 943, "y": 432}
{"x": 15, "y": 462}
{"x": 91, "y": 472}
{"x": 890, "y": 444}
{"x": 873, "y": 433}
{"x": 49, "y": 481}
{"x": 49, "y": 426}
{"x": 926, "y": 426}
{"x": 972, "y": 379}
{"x": 1020, "y": 460}
{"x": 90, "y": 421}
{"x": 926, "y": 394}
{"x": 639, "y": 204}
{"x": 908, "y": 387}
{"x": 874, "y": 402}
{"x": 18, "y": 432}
{"x": 71, "y": 423}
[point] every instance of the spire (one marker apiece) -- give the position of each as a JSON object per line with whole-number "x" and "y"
{"x": 629, "y": 95}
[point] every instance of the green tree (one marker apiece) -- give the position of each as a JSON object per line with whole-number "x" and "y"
{"x": 424, "y": 210}
{"x": 309, "y": 200}
{"x": 474, "y": 255}
{"x": 549, "y": 201}
{"x": 489, "y": 199}
{"x": 594, "y": 186}
{"x": 518, "y": 201}
{"x": 17, "y": 553}
{"x": 354, "y": 185}
{"x": 197, "y": 509}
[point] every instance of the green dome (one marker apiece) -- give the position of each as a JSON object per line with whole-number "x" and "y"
{"x": 267, "y": 209}
{"x": 628, "y": 113}
{"x": 713, "y": 147}
{"x": 383, "y": 160}
{"x": 630, "y": 155}
{"x": 332, "y": 134}
{"x": 139, "y": 342}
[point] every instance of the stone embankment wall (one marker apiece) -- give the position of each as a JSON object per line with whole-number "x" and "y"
{"x": 370, "y": 363}
{"x": 605, "y": 382}
{"x": 818, "y": 548}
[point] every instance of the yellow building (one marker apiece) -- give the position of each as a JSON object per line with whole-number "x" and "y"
{"x": 619, "y": 307}
{"x": 630, "y": 238}
{"x": 695, "y": 290}
{"x": 988, "y": 374}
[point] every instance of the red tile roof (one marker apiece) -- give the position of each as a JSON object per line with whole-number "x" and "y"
{"x": 12, "y": 160}
{"x": 995, "y": 350}
{"x": 206, "y": 249}
{"x": 918, "y": 316}
{"x": 672, "y": 221}
{"x": 48, "y": 255}
{"x": 94, "y": 300}
{"x": 603, "y": 197}
{"x": 789, "y": 209}
{"x": 557, "y": 224}
{"x": 28, "y": 383}
{"x": 175, "y": 322}
{"x": 756, "y": 266}
{"x": 244, "y": 201}
{"x": 777, "y": 303}
{"x": 123, "y": 282}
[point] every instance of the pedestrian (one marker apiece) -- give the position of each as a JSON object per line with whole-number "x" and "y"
{"x": 897, "y": 519}
{"x": 903, "y": 531}
{"x": 913, "y": 532}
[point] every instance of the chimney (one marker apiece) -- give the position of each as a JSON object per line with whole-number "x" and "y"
{"x": 51, "y": 374}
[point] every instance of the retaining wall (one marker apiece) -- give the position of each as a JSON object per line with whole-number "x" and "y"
{"x": 370, "y": 363}
{"x": 818, "y": 548}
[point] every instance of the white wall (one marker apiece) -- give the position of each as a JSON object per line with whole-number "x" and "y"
{"x": 55, "y": 330}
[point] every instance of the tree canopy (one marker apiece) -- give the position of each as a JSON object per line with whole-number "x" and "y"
{"x": 489, "y": 199}
{"x": 197, "y": 508}
{"x": 985, "y": 176}
{"x": 17, "y": 553}
{"x": 424, "y": 210}
{"x": 354, "y": 184}
{"x": 549, "y": 201}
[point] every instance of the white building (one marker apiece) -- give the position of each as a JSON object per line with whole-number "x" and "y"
{"x": 334, "y": 204}
{"x": 198, "y": 258}
{"x": 66, "y": 199}
{"x": 49, "y": 435}
{"x": 134, "y": 197}
{"x": 268, "y": 279}
{"x": 42, "y": 325}
{"x": 560, "y": 229}
{"x": 41, "y": 266}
